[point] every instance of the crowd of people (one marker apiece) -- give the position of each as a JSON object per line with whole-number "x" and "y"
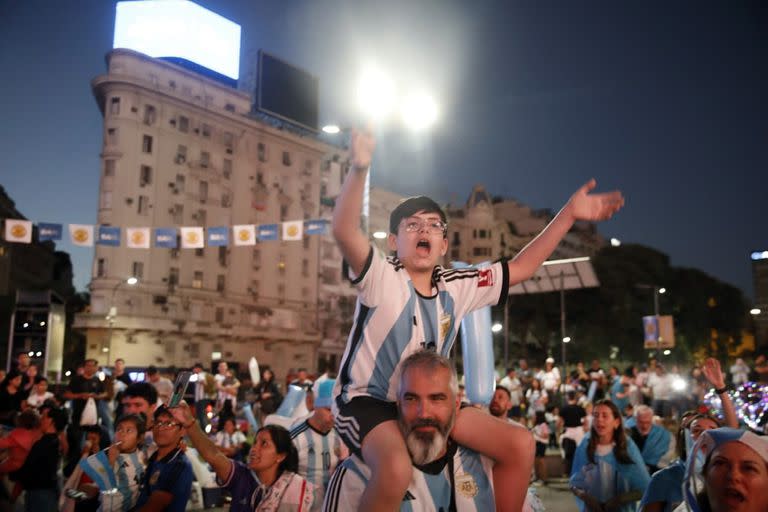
{"x": 392, "y": 430}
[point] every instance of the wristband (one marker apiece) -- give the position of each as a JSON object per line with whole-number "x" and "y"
{"x": 721, "y": 390}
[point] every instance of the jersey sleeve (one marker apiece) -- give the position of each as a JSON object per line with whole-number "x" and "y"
{"x": 477, "y": 287}
{"x": 344, "y": 490}
{"x": 375, "y": 280}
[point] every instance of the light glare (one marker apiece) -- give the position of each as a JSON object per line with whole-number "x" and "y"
{"x": 666, "y": 352}
{"x": 662, "y": 291}
{"x": 567, "y": 339}
{"x": 496, "y": 327}
{"x": 419, "y": 111}
{"x": 380, "y": 235}
{"x": 754, "y": 311}
{"x": 615, "y": 242}
{"x": 376, "y": 94}
{"x": 331, "y": 129}
{"x": 131, "y": 280}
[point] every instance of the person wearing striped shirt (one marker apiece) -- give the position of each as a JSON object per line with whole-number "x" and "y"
{"x": 319, "y": 448}
{"x": 409, "y": 302}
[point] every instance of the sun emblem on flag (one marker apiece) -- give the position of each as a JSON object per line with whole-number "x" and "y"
{"x": 293, "y": 230}
{"x": 192, "y": 237}
{"x": 137, "y": 237}
{"x": 80, "y": 235}
{"x": 18, "y": 231}
{"x": 244, "y": 235}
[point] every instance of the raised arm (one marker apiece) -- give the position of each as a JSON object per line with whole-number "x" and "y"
{"x": 714, "y": 375}
{"x": 219, "y": 462}
{"x": 352, "y": 241}
{"x": 581, "y": 206}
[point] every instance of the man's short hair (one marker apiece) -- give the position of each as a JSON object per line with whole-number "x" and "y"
{"x": 502, "y": 388}
{"x": 642, "y": 409}
{"x": 429, "y": 360}
{"x": 410, "y": 206}
{"x": 59, "y": 417}
{"x": 143, "y": 390}
{"x": 198, "y": 365}
{"x": 91, "y": 361}
{"x": 120, "y": 359}
{"x": 152, "y": 370}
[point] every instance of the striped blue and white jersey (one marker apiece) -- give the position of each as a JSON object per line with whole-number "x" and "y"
{"x": 392, "y": 320}
{"x": 319, "y": 454}
{"x": 430, "y": 487}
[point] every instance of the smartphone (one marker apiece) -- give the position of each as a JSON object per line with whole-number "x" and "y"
{"x": 179, "y": 388}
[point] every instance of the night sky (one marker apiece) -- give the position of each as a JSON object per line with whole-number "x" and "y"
{"x": 667, "y": 101}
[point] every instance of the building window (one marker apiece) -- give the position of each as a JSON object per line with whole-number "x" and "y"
{"x": 219, "y": 315}
{"x": 145, "y": 175}
{"x": 206, "y": 131}
{"x": 455, "y": 254}
{"x": 203, "y": 191}
{"x": 226, "y": 201}
{"x": 180, "y": 182}
{"x": 101, "y": 267}
{"x": 227, "y": 168}
{"x": 286, "y": 158}
{"x": 220, "y": 283}
{"x": 229, "y": 107}
{"x": 138, "y": 270}
{"x": 181, "y": 154}
{"x": 112, "y": 136}
{"x": 114, "y": 106}
{"x": 481, "y": 251}
{"x": 143, "y": 205}
{"x": 183, "y": 124}
{"x": 201, "y": 217}
{"x": 222, "y": 256}
{"x": 205, "y": 159}
{"x": 305, "y": 242}
{"x": 305, "y": 267}
{"x": 256, "y": 258}
{"x": 483, "y": 234}
{"x": 146, "y": 144}
{"x": 283, "y": 212}
{"x": 177, "y": 212}
{"x": 455, "y": 238}
{"x": 105, "y": 202}
{"x": 260, "y": 178}
{"x": 197, "y": 280}
{"x": 281, "y": 291}
{"x": 228, "y": 139}
{"x": 109, "y": 167}
{"x": 173, "y": 276}
{"x": 262, "y": 152}
{"x": 199, "y": 253}
{"x": 150, "y": 114}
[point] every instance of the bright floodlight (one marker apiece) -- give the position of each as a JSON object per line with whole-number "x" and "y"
{"x": 615, "y": 242}
{"x": 754, "y": 311}
{"x": 662, "y": 291}
{"x": 376, "y": 94}
{"x": 667, "y": 352}
{"x": 131, "y": 280}
{"x": 678, "y": 384}
{"x": 419, "y": 111}
{"x": 567, "y": 339}
{"x": 380, "y": 235}
{"x": 331, "y": 128}
{"x": 497, "y": 327}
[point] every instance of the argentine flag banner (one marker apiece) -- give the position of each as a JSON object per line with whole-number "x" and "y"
{"x": 244, "y": 234}
{"x": 268, "y": 232}
{"x": 315, "y": 226}
{"x": 166, "y": 237}
{"x": 18, "y": 231}
{"x": 218, "y": 236}
{"x": 109, "y": 235}
{"x": 81, "y": 235}
{"x": 48, "y": 231}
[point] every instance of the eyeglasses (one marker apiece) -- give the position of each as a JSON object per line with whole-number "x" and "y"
{"x": 435, "y": 227}
{"x": 128, "y": 430}
{"x": 167, "y": 424}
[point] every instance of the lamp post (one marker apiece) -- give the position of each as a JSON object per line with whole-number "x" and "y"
{"x": 131, "y": 281}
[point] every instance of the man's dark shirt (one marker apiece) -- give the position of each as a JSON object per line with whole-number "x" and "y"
{"x": 125, "y": 379}
{"x": 81, "y": 384}
{"x": 41, "y": 464}
{"x": 638, "y": 438}
{"x": 572, "y": 415}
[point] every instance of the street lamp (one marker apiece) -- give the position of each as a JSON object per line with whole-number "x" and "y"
{"x": 754, "y": 311}
{"x": 131, "y": 281}
{"x": 656, "y": 292}
{"x": 496, "y": 327}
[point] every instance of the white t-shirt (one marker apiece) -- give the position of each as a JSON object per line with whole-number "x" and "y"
{"x": 515, "y": 389}
{"x": 549, "y": 379}
{"x": 225, "y": 440}
{"x": 35, "y": 400}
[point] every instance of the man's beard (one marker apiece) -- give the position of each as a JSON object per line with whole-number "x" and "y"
{"x": 496, "y": 412}
{"x": 426, "y": 447}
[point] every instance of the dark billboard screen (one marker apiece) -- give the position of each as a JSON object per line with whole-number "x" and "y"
{"x": 287, "y": 92}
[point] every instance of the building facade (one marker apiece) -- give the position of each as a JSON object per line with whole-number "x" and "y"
{"x": 182, "y": 149}
{"x": 760, "y": 283}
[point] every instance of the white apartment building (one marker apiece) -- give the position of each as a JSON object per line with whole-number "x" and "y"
{"x": 181, "y": 150}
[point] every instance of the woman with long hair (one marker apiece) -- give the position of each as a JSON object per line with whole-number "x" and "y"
{"x": 11, "y": 397}
{"x": 608, "y": 471}
{"x": 268, "y": 393}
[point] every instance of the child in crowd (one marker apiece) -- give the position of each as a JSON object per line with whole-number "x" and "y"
{"x": 409, "y": 302}
{"x": 541, "y": 433}
{"x": 39, "y": 393}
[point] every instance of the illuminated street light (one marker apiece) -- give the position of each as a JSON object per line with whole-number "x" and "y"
{"x": 331, "y": 129}
{"x": 26, "y": 324}
{"x": 67, "y": 373}
{"x": 667, "y": 352}
{"x": 418, "y": 111}
{"x": 42, "y": 324}
{"x": 662, "y": 291}
{"x": 131, "y": 281}
{"x": 754, "y": 311}
{"x": 380, "y": 235}
{"x": 615, "y": 242}
{"x": 497, "y": 327}
{"x": 31, "y": 354}
{"x": 567, "y": 339}
{"x": 376, "y": 94}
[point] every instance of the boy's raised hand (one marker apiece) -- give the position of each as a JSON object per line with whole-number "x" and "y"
{"x": 362, "y": 145}
{"x": 593, "y": 207}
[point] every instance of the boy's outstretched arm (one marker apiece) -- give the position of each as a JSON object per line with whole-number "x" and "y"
{"x": 352, "y": 241}
{"x": 581, "y": 206}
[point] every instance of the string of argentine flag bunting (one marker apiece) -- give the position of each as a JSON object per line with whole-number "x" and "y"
{"x": 188, "y": 237}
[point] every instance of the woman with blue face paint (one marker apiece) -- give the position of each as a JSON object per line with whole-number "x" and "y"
{"x": 664, "y": 493}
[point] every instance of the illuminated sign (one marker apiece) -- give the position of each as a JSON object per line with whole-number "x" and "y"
{"x": 760, "y": 255}
{"x": 179, "y": 28}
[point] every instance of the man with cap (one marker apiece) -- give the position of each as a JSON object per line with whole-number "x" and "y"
{"x": 167, "y": 482}
{"x": 320, "y": 449}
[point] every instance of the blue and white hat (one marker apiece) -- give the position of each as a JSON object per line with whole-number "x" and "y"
{"x": 703, "y": 449}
